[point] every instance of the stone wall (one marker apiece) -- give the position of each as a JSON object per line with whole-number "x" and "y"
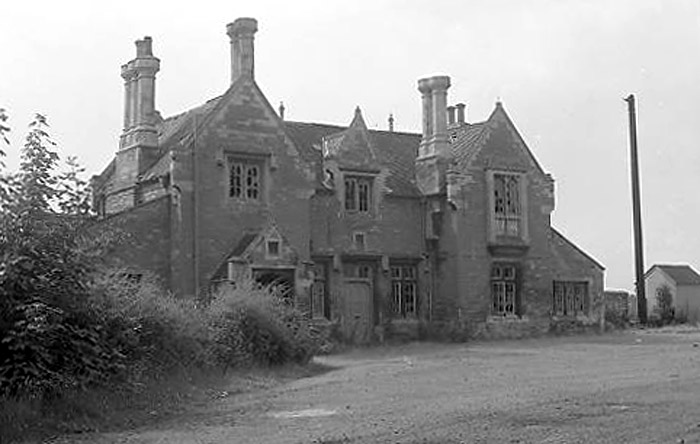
{"x": 144, "y": 233}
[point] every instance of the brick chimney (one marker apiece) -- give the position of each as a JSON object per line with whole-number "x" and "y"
{"x": 242, "y": 34}
{"x": 434, "y": 148}
{"x": 139, "y": 97}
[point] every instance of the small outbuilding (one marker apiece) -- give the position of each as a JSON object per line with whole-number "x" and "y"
{"x": 684, "y": 284}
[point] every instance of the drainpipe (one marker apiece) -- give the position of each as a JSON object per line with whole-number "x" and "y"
{"x": 195, "y": 209}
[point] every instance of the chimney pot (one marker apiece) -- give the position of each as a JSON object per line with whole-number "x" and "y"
{"x": 144, "y": 48}
{"x": 461, "y": 113}
{"x": 391, "y": 122}
{"x": 450, "y": 115}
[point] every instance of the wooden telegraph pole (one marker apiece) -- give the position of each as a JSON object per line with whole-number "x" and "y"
{"x": 637, "y": 213}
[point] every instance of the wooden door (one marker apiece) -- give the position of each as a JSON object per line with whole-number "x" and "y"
{"x": 357, "y": 311}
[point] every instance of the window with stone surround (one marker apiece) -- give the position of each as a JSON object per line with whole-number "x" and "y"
{"x": 404, "y": 294}
{"x": 507, "y": 204}
{"x": 504, "y": 289}
{"x": 358, "y": 193}
{"x": 569, "y": 298}
{"x": 245, "y": 179}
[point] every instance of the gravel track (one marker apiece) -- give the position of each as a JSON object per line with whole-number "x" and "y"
{"x": 631, "y": 387}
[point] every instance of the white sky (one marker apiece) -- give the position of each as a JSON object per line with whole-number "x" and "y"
{"x": 561, "y": 69}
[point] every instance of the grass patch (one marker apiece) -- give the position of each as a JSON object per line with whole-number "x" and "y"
{"x": 182, "y": 397}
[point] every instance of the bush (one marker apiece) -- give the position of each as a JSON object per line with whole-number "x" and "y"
{"x": 250, "y": 325}
{"x": 156, "y": 332}
{"x": 664, "y": 309}
{"x": 615, "y": 319}
{"x": 50, "y": 342}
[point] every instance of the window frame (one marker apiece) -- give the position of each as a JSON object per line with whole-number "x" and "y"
{"x": 512, "y": 214}
{"x": 573, "y": 300}
{"x": 358, "y": 193}
{"x": 359, "y": 240}
{"x": 269, "y": 251}
{"x": 504, "y": 281}
{"x": 251, "y": 178}
{"x": 404, "y": 287}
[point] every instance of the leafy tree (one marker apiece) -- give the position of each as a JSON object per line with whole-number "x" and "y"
{"x": 74, "y": 192}
{"x": 664, "y": 304}
{"x": 4, "y": 129}
{"x": 49, "y": 339}
{"x": 4, "y": 180}
{"x": 38, "y": 182}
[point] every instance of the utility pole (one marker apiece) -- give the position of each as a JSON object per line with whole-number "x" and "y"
{"x": 637, "y": 213}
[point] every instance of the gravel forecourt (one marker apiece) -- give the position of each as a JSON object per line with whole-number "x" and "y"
{"x": 638, "y": 386}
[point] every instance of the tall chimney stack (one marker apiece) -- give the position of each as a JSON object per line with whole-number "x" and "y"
{"x": 242, "y": 34}
{"x": 139, "y": 96}
{"x": 434, "y": 148}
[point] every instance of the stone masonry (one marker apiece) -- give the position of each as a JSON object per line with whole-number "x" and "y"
{"x": 378, "y": 233}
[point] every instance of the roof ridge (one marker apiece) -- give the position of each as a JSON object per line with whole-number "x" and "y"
{"x": 344, "y": 127}
{"x": 182, "y": 113}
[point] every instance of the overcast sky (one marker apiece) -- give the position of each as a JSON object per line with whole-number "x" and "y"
{"x": 561, "y": 69}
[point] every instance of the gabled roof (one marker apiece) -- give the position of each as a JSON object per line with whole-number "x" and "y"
{"x": 351, "y": 148}
{"x": 577, "y": 248}
{"x": 681, "y": 274}
{"x": 468, "y": 139}
{"x": 244, "y": 243}
{"x": 394, "y": 150}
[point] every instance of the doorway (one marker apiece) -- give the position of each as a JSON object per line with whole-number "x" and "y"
{"x": 357, "y": 311}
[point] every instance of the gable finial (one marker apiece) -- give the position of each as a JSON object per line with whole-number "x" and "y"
{"x": 281, "y": 110}
{"x": 391, "y": 122}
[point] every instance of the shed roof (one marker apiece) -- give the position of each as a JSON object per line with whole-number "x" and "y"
{"x": 681, "y": 274}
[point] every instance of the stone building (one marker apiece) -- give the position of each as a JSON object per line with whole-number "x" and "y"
{"x": 377, "y": 232}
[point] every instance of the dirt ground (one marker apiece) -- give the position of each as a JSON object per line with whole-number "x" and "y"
{"x": 631, "y": 387}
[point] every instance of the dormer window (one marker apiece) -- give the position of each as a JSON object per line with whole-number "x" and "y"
{"x": 358, "y": 194}
{"x": 245, "y": 179}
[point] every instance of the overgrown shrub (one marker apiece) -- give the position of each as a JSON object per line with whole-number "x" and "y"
{"x": 249, "y": 324}
{"x": 664, "y": 310}
{"x": 156, "y": 332}
{"x": 50, "y": 342}
{"x": 616, "y": 319}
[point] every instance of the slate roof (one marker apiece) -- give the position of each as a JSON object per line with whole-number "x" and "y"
{"x": 174, "y": 130}
{"x": 394, "y": 150}
{"x": 681, "y": 274}
{"x": 465, "y": 141}
{"x": 244, "y": 243}
{"x": 171, "y": 131}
